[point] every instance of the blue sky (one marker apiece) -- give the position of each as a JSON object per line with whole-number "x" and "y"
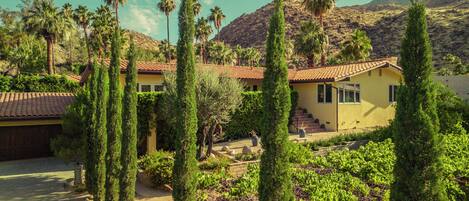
{"x": 142, "y": 15}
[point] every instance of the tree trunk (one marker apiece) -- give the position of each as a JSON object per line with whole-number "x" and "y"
{"x": 78, "y": 174}
{"x": 87, "y": 40}
{"x": 324, "y": 52}
{"x": 168, "y": 53}
{"x": 210, "y": 139}
{"x": 50, "y": 67}
{"x": 116, "y": 6}
{"x": 311, "y": 61}
{"x": 200, "y": 152}
{"x": 202, "y": 60}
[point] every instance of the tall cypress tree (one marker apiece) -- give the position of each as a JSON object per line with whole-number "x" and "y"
{"x": 129, "y": 129}
{"x": 114, "y": 121}
{"x": 418, "y": 147}
{"x": 100, "y": 142}
{"x": 275, "y": 181}
{"x": 185, "y": 165}
{"x": 90, "y": 132}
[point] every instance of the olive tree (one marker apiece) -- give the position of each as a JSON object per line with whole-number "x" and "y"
{"x": 217, "y": 98}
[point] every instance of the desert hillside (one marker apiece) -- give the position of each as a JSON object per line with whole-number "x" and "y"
{"x": 384, "y": 24}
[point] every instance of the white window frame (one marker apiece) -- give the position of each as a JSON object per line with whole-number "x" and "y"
{"x": 324, "y": 86}
{"x": 393, "y": 93}
{"x": 341, "y": 89}
{"x": 153, "y": 87}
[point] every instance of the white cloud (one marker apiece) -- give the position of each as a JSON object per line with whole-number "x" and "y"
{"x": 208, "y": 2}
{"x": 142, "y": 19}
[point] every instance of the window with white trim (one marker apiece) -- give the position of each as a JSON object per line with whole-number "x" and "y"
{"x": 145, "y": 88}
{"x": 149, "y": 87}
{"x": 159, "y": 87}
{"x": 324, "y": 93}
{"x": 349, "y": 93}
{"x": 393, "y": 93}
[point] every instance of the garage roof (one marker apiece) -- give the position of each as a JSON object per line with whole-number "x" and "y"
{"x": 33, "y": 105}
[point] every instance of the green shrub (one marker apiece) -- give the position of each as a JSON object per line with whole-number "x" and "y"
{"x": 299, "y": 154}
{"x": 159, "y": 166}
{"x": 5, "y": 83}
{"x": 377, "y": 135}
{"x": 212, "y": 180}
{"x": 331, "y": 186}
{"x": 373, "y": 162}
{"x": 215, "y": 163}
{"x": 36, "y": 83}
{"x": 146, "y": 114}
{"x": 246, "y": 185}
{"x": 247, "y": 117}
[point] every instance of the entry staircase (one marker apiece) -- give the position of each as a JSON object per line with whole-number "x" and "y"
{"x": 303, "y": 120}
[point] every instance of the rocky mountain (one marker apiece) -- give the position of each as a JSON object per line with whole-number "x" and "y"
{"x": 384, "y": 24}
{"x": 430, "y": 3}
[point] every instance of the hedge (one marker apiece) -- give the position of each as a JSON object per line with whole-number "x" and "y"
{"x": 36, "y": 83}
{"x": 248, "y": 117}
{"x": 244, "y": 120}
{"x": 146, "y": 114}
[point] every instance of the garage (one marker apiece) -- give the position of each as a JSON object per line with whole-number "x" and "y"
{"x": 28, "y": 121}
{"x": 22, "y": 142}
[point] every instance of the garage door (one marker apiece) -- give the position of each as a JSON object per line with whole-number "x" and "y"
{"x": 22, "y": 142}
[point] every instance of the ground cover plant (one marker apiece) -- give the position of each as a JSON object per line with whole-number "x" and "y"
{"x": 362, "y": 174}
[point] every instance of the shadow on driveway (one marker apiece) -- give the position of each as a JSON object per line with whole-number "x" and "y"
{"x": 35, "y": 179}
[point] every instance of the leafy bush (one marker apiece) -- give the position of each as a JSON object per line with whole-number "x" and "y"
{"x": 36, "y": 83}
{"x": 377, "y": 135}
{"x": 215, "y": 163}
{"x": 246, "y": 185}
{"x": 146, "y": 114}
{"x": 212, "y": 180}
{"x": 5, "y": 83}
{"x": 456, "y": 165}
{"x": 159, "y": 166}
{"x": 372, "y": 163}
{"x": 247, "y": 117}
{"x": 299, "y": 154}
{"x": 452, "y": 110}
{"x": 70, "y": 145}
{"x": 332, "y": 186}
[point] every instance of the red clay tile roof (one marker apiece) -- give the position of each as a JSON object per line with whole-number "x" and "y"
{"x": 319, "y": 74}
{"x": 339, "y": 72}
{"x": 73, "y": 77}
{"x": 33, "y": 105}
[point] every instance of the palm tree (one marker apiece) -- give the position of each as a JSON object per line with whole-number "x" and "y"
{"x": 216, "y": 17}
{"x": 310, "y": 41}
{"x": 44, "y": 19}
{"x": 239, "y": 51}
{"x": 67, "y": 14}
{"x": 82, "y": 17}
{"x": 197, "y": 8}
{"x": 115, "y": 5}
{"x": 202, "y": 32}
{"x": 319, "y": 8}
{"x": 253, "y": 56}
{"x": 167, "y": 6}
{"x": 103, "y": 24}
{"x": 357, "y": 48}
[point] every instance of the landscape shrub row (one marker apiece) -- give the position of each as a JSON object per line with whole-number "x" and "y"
{"x": 36, "y": 83}
{"x": 362, "y": 174}
{"x": 247, "y": 117}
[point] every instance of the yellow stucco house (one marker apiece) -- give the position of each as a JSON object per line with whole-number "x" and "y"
{"x": 351, "y": 96}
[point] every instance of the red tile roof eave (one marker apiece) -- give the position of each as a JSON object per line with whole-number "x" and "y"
{"x": 28, "y": 118}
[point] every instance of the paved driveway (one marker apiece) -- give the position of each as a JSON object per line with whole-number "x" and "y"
{"x": 35, "y": 179}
